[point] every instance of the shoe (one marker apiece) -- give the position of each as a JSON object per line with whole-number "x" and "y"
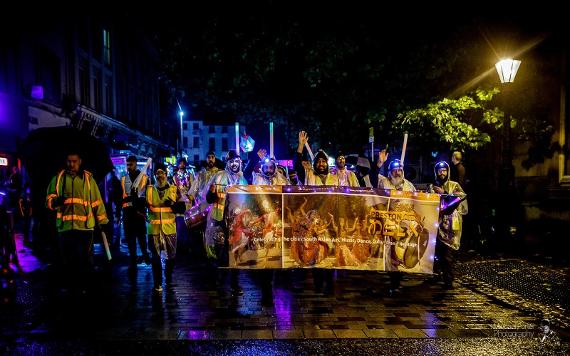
{"x": 157, "y": 289}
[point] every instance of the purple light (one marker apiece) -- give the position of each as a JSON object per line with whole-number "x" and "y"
{"x": 37, "y": 92}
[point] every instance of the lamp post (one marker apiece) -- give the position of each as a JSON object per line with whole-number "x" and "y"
{"x": 181, "y": 114}
{"x": 507, "y": 69}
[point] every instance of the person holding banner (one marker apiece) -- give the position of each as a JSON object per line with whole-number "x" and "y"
{"x": 134, "y": 213}
{"x": 319, "y": 173}
{"x": 396, "y": 181}
{"x": 216, "y": 236}
{"x": 346, "y": 178}
{"x": 451, "y": 216}
{"x": 268, "y": 173}
{"x": 162, "y": 226}
{"x": 204, "y": 176}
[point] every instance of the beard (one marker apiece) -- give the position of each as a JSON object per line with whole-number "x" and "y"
{"x": 234, "y": 168}
{"x": 321, "y": 171}
{"x": 210, "y": 164}
{"x": 441, "y": 180}
{"x": 397, "y": 181}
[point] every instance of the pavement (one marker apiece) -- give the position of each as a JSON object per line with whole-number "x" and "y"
{"x": 497, "y": 306}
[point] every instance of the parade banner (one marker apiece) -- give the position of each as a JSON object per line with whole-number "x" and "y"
{"x": 331, "y": 227}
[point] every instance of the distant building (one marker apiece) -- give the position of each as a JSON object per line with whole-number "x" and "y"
{"x": 201, "y": 135}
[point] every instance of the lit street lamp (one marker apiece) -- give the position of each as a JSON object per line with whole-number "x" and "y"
{"x": 180, "y": 142}
{"x": 507, "y": 69}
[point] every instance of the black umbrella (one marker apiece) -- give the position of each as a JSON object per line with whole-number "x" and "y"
{"x": 44, "y": 153}
{"x": 356, "y": 162}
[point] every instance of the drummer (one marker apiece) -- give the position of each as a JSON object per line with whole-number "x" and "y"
{"x": 204, "y": 176}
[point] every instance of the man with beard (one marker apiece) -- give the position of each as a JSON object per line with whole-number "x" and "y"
{"x": 204, "y": 175}
{"x": 162, "y": 226}
{"x": 198, "y": 186}
{"x": 319, "y": 173}
{"x": 346, "y": 178}
{"x": 74, "y": 196}
{"x": 216, "y": 237}
{"x": 395, "y": 180}
{"x": 268, "y": 173}
{"x": 449, "y": 234}
{"x": 134, "y": 213}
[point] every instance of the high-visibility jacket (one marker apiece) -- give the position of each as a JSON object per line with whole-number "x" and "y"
{"x": 311, "y": 178}
{"x": 160, "y": 215}
{"x": 127, "y": 186}
{"x": 82, "y": 203}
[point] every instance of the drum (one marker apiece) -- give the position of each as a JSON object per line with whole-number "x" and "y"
{"x": 196, "y": 216}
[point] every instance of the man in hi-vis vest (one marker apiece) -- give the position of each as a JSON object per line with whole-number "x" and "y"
{"x": 162, "y": 226}
{"x": 75, "y": 198}
{"x": 134, "y": 212}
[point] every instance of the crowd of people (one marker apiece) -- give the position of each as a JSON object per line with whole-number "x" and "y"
{"x": 153, "y": 208}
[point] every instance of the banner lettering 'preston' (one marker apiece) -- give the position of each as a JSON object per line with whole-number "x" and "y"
{"x": 331, "y": 227}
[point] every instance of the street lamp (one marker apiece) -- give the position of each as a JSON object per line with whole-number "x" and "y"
{"x": 181, "y": 114}
{"x": 507, "y": 69}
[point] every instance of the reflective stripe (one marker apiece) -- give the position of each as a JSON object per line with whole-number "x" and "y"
{"x": 75, "y": 201}
{"x": 74, "y": 217}
{"x": 49, "y": 200}
{"x": 165, "y": 221}
{"x": 161, "y": 210}
{"x": 96, "y": 203}
{"x": 101, "y": 217}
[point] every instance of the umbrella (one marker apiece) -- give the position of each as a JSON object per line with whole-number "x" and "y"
{"x": 44, "y": 153}
{"x": 357, "y": 162}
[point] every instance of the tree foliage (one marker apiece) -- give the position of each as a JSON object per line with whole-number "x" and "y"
{"x": 465, "y": 123}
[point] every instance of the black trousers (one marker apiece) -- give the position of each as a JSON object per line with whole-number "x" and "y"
{"x": 445, "y": 261}
{"x": 76, "y": 248}
{"x": 135, "y": 230}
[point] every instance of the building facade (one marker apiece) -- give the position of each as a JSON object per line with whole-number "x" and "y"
{"x": 96, "y": 73}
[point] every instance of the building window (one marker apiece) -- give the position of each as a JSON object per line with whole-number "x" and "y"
{"x": 48, "y": 74}
{"x": 212, "y": 144}
{"x": 84, "y": 84}
{"x": 196, "y": 143}
{"x": 184, "y": 126}
{"x": 185, "y": 142}
{"x": 195, "y": 126}
{"x": 97, "y": 43}
{"x": 212, "y": 129}
{"x": 109, "y": 95}
{"x": 224, "y": 129}
{"x": 107, "y": 47}
{"x": 224, "y": 144}
{"x": 97, "y": 90}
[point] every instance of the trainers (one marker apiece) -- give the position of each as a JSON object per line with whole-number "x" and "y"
{"x": 157, "y": 289}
